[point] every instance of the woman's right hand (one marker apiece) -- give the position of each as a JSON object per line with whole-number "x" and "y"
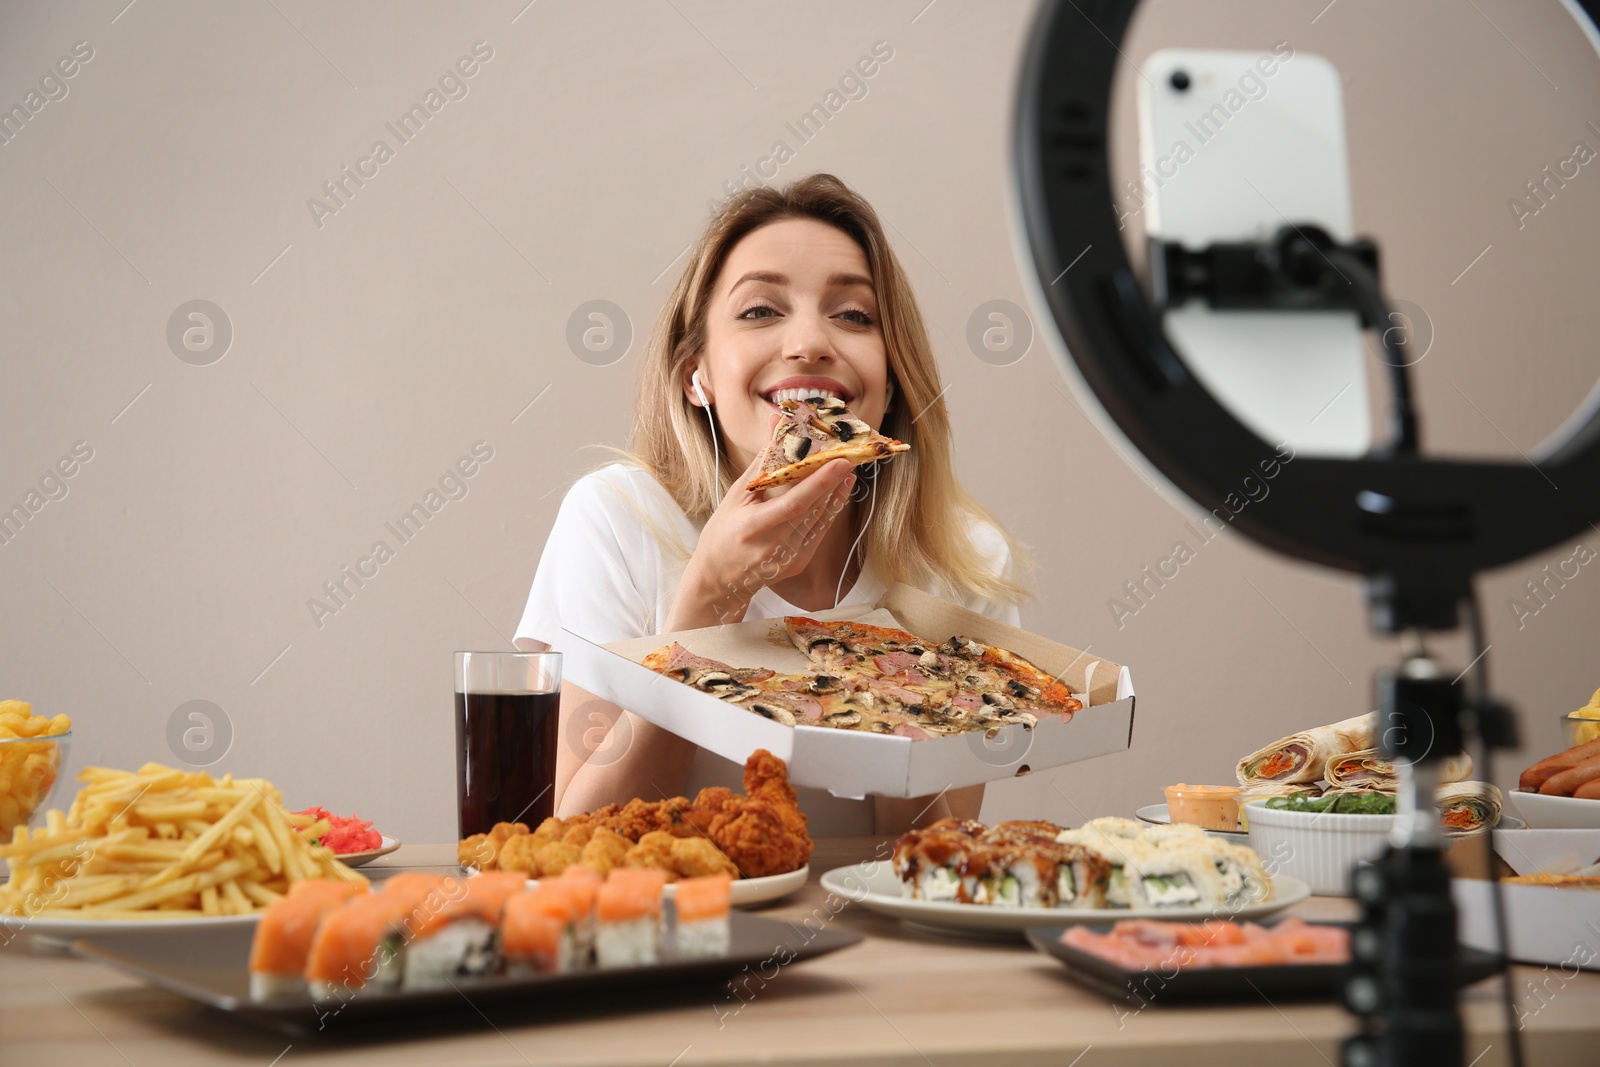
{"x": 754, "y": 539}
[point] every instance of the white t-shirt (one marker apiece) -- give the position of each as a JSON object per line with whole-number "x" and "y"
{"x": 610, "y": 571}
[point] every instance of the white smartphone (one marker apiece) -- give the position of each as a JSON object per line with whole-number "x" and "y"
{"x": 1233, "y": 145}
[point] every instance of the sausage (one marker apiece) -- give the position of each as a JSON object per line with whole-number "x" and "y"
{"x": 1567, "y": 782}
{"x": 1540, "y": 772}
{"x": 1589, "y": 791}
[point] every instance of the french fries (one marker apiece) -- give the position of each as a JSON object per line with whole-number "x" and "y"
{"x": 161, "y": 843}
{"x": 28, "y": 767}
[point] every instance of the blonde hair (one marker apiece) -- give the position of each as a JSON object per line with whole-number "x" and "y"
{"x": 922, "y": 530}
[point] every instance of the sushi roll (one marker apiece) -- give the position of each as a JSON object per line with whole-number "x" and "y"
{"x": 1244, "y": 878}
{"x": 1012, "y": 874}
{"x": 538, "y": 931}
{"x": 1081, "y": 878}
{"x": 628, "y": 917}
{"x": 283, "y": 936}
{"x": 940, "y": 865}
{"x": 1179, "y": 876}
{"x": 459, "y": 939}
{"x": 702, "y": 905}
{"x": 1115, "y": 853}
{"x": 583, "y": 883}
{"x": 1174, "y": 833}
{"x": 1116, "y": 826}
{"x": 358, "y": 944}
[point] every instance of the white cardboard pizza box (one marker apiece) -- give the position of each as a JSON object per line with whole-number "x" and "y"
{"x": 845, "y": 762}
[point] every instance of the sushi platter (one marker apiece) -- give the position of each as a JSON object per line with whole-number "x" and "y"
{"x": 875, "y": 887}
{"x": 209, "y": 965}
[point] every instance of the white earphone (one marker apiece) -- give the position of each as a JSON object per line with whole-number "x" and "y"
{"x": 716, "y": 456}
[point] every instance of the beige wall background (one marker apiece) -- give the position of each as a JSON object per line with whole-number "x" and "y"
{"x": 374, "y": 346}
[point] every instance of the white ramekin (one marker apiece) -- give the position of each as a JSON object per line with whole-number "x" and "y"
{"x": 1318, "y": 848}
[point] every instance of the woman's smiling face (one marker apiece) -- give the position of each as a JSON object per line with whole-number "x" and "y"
{"x": 793, "y": 314}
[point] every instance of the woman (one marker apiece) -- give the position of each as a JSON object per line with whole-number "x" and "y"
{"x": 787, "y": 293}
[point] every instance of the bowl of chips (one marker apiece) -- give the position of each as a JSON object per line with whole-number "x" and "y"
{"x": 33, "y": 749}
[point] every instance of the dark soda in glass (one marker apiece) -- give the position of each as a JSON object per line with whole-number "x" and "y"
{"x": 505, "y": 758}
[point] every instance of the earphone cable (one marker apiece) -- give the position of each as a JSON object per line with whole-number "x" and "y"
{"x": 839, "y": 589}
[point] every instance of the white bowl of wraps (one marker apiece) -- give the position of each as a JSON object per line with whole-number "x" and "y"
{"x": 1319, "y": 848}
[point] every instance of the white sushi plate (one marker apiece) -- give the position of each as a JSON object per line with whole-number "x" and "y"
{"x": 743, "y": 893}
{"x": 874, "y": 886}
{"x": 359, "y": 859}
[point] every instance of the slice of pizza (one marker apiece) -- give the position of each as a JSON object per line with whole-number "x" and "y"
{"x": 707, "y": 675}
{"x": 814, "y": 432}
{"x": 962, "y": 678}
{"x": 898, "y": 669}
{"x": 1003, "y": 680}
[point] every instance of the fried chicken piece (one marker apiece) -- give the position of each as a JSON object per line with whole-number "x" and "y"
{"x": 521, "y": 853}
{"x": 758, "y": 837}
{"x": 695, "y": 857}
{"x": 707, "y": 806}
{"x": 552, "y": 829}
{"x": 580, "y": 835}
{"x": 654, "y": 850}
{"x": 557, "y": 857}
{"x": 763, "y": 832}
{"x": 605, "y": 850}
{"x": 640, "y": 817}
{"x": 766, "y": 776}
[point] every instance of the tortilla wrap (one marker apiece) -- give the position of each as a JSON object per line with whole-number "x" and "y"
{"x": 1468, "y": 806}
{"x": 1258, "y": 790}
{"x": 1305, "y": 755}
{"x": 1367, "y": 770}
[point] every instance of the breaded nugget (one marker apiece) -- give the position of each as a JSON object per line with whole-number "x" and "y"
{"x": 557, "y": 857}
{"x": 605, "y": 850}
{"x": 476, "y": 851}
{"x": 654, "y": 850}
{"x": 695, "y": 857}
{"x": 520, "y": 853}
{"x": 579, "y": 835}
{"x": 482, "y": 850}
{"x": 552, "y": 829}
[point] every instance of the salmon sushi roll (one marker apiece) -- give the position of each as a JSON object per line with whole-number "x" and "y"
{"x": 459, "y": 938}
{"x": 539, "y": 931}
{"x": 702, "y": 905}
{"x": 357, "y": 944}
{"x": 283, "y": 936}
{"x": 628, "y": 917}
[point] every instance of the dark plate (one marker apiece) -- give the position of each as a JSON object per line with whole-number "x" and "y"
{"x": 211, "y": 966}
{"x": 1310, "y": 981}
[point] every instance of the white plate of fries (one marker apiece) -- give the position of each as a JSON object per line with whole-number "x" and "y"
{"x": 160, "y": 845}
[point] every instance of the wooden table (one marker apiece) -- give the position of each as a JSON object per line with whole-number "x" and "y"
{"x": 900, "y": 997}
